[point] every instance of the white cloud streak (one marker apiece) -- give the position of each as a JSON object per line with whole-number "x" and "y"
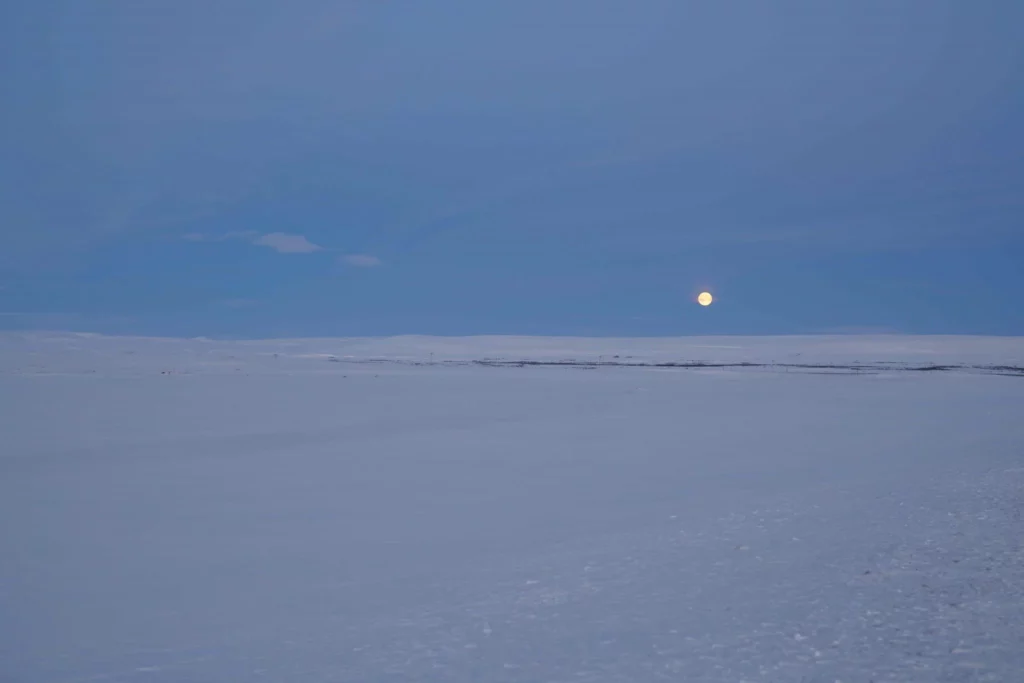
{"x": 281, "y": 242}
{"x": 223, "y": 237}
{"x": 285, "y": 243}
{"x": 360, "y": 260}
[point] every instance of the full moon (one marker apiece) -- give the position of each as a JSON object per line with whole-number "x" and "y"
{"x": 705, "y": 299}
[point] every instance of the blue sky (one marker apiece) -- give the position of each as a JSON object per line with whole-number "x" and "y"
{"x": 248, "y": 168}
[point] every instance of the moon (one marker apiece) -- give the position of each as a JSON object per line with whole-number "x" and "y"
{"x": 705, "y": 299}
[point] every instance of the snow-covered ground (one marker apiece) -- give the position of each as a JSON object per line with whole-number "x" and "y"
{"x": 391, "y": 510}
{"x": 61, "y": 353}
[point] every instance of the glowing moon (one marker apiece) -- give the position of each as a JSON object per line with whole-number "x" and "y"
{"x": 705, "y": 299}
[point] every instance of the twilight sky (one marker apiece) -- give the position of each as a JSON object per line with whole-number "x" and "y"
{"x": 254, "y": 168}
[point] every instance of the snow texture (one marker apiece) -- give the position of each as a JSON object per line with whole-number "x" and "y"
{"x": 420, "y": 509}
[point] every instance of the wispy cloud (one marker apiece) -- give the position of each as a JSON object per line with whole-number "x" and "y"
{"x": 360, "y": 260}
{"x": 238, "y": 303}
{"x": 222, "y": 237}
{"x": 281, "y": 242}
{"x": 286, "y": 243}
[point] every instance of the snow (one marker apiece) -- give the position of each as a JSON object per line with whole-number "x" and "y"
{"x": 391, "y": 510}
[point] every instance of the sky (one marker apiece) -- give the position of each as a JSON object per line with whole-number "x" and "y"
{"x": 253, "y": 168}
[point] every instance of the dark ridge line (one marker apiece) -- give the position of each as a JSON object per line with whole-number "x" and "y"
{"x": 683, "y": 365}
{"x": 1001, "y": 368}
{"x": 595, "y": 364}
{"x": 859, "y": 368}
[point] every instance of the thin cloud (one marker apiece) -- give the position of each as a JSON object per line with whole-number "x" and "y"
{"x": 360, "y": 260}
{"x": 281, "y": 242}
{"x": 285, "y": 243}
{"x": 223, "y": 237}
{"x": 238, "y": 303}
